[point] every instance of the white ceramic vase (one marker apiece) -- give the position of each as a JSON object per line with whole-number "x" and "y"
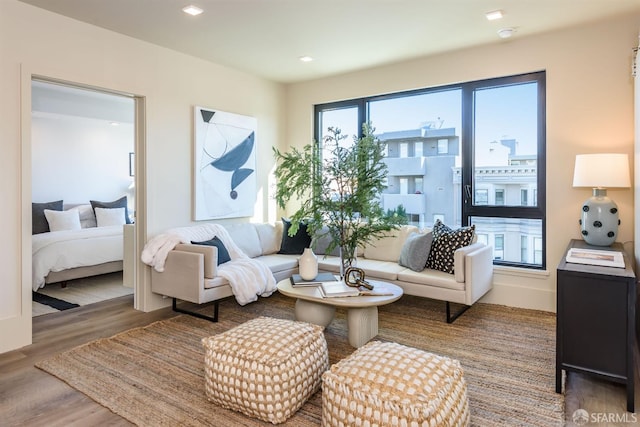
{"x": 308, "y": 265}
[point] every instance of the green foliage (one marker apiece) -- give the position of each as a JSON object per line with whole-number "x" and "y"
{"x": 338, "y": 187}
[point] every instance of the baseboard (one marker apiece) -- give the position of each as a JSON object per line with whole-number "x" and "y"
{"x": 522, "y": 297}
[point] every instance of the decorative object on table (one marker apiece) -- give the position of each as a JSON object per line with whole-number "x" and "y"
{"x": 595, "y": 257}
{"x": 308, "y": 265}
{"x": 298, "y": 281}
{"x": 337, "y": 186}
{"x": 355, "y": 277}
{"x": 224, "y": 165}
{"x": 599, "y": 221}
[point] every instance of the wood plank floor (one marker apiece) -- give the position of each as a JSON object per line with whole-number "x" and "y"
{"x": 30, "y": 397}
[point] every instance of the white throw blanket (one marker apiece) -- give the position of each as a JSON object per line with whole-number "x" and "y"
{"x": 248, "y": 277}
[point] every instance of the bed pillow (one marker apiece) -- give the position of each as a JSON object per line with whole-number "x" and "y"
{"x": 223, "y": 253}
{"x": 445, "y": 243}
{"x": 120, "y": 203}
{"x": 63, "y": 220}
{"x": 415, "y": 251}
{"x": 294, "y": 245}
{"x": 39, "y": 222}
{"x": 108, "y": 217}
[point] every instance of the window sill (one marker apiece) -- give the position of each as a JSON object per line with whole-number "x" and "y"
{"x": 521, "y": 272}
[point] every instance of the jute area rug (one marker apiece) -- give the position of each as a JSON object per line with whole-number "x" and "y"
{"x": 154, "y": 376}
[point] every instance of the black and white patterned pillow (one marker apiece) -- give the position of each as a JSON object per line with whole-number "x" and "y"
{"x": 445, "y": 243}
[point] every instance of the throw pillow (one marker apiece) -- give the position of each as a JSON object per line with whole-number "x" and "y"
{"x": 63, "y": 220}
{"x": 108, "y": 217}
{"x": 39, "y": 222}
{"x": 120, "y": 203}
{"x": 415, "y": 251}
{"x": 321, "y": 241}
{"x": 445, "y": 243}
{"x": 223, "y": 253}
{"x": 294, "y": 245}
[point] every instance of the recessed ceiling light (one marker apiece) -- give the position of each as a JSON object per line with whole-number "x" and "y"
{"x": 494, "y": 14}
{"x": 114, "y": 123}
{"x": 505, "y": 33}
{"x": 192, "y": 10}
{"x": 306, "y": 59}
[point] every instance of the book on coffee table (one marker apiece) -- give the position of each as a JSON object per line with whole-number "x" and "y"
{"x": 297, "y": 281}
{"x": 338, "y": 289}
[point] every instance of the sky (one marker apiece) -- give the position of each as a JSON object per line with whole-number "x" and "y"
{"x": 507, "y": 112}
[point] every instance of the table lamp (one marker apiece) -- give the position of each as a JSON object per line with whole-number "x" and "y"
{"x": 599, "y": 221}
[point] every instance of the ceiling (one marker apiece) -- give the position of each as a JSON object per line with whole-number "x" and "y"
{"x": 267, "y": 37}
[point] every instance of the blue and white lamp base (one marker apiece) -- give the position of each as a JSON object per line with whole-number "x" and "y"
{"x": 599, "y": 222}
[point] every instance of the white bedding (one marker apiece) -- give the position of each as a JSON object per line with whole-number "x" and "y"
{"x": 62, "y": 250}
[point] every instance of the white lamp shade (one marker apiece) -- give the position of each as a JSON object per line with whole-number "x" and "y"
{"x": 608, "y": 170}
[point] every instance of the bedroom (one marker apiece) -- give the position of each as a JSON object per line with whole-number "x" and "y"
{"x": 82, "y": 151}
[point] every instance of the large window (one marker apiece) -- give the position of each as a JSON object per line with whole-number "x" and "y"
{"x": 472, "y": 153}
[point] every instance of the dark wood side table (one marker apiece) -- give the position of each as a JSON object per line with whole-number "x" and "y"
{"x": 596, "y": 320}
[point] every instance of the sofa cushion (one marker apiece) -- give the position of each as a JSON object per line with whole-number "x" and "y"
{"x": 388, "y": 248}
{"x": 270, "y": 238}
{"x": 245, "y": 236}
{"x": 383, "y": 270}
{"x": 39, "y": 222}
{"x": 445, "y": 242}
{"x": 279, "y": 262}
{"x": 430, "y": 277}
{"x": 415, "y": 251}
{"x": 294, "y": 245}
{"x": 223, "y": 253}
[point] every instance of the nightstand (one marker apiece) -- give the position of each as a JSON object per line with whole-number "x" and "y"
{"x": 596, "y": 320}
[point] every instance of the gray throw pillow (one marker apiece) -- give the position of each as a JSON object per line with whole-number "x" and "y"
{"x": 415, "y": 251}
{"x": 321, "y": 241}
{"x": 39, "y": 223}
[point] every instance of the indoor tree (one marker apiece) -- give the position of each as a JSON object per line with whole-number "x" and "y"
{"x": 338, "y": 188}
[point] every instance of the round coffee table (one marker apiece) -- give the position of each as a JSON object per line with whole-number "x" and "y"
{"x": 362, "y": 311}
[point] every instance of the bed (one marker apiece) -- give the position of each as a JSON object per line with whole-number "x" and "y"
{"x": 66, "y": 254}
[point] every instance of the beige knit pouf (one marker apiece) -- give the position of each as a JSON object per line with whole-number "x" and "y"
{"x": 388, "y": 384}
{"x": 265, "y": 368}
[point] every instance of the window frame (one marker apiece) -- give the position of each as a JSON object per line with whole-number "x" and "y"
{"x": 468, "y": 209}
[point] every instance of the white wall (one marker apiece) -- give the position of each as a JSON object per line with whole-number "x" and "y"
{"x": 589, "y": 109}
{"x": 37, "y": 42}
{"x": 77, "y": 159}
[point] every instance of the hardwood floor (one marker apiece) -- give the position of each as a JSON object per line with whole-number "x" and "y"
{"x": 30, "y": 397}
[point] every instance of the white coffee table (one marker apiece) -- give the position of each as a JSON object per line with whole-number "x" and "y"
{"x": 362, "y": 311}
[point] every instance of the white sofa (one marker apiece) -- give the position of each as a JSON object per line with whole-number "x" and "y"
{"x": 190, "y": 270}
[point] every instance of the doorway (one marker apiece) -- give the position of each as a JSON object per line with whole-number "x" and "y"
{"x": 83, "y": 145}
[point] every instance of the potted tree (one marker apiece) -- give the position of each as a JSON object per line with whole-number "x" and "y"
{"x": 338, "y": 188}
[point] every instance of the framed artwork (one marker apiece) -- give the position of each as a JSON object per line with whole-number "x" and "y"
{"x": 224, "y": 167}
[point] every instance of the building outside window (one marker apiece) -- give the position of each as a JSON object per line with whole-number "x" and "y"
{"x": 450, "y": 148}
{"x": 498, "y": 246}
{"x": 524, "y": 249}
{"x": 482, "y": 197}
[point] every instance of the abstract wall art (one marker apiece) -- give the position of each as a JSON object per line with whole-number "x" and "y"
{"x": 224, "y": 167}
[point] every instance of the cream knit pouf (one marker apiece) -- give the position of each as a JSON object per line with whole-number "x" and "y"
{"x": 388, "y": 384}
{"x": 265, "y": 368}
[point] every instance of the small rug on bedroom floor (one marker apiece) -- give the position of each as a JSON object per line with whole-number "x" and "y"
{"x": 154, "y": 375}
{"x": 53, "y": 297}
